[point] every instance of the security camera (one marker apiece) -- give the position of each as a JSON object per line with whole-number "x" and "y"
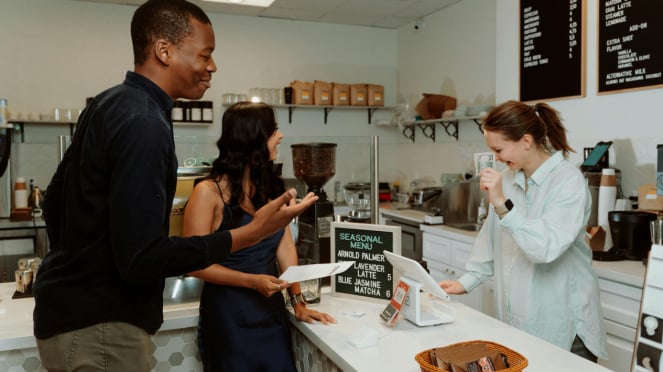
{"x": 418, "y": 25}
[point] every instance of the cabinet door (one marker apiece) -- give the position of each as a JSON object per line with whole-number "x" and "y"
{"x": 620, "y": 302}
{"x": 620, "y": 352}
{"x": 461, "y": 253}
{"x": 437, "y": 248}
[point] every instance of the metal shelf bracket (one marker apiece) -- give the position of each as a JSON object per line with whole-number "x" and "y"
{"x": 448, "y": 125}
{"x": 478, "y": 123}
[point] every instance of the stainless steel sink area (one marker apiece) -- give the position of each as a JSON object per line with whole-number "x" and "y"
{"x": 468, "y": 226}
{"x": 182, "y": 289}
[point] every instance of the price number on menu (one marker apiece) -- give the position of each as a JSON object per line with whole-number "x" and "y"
{"x": 573, "y": 28}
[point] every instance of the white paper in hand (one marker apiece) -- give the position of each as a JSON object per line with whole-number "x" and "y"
{"x": 294, "y": 274}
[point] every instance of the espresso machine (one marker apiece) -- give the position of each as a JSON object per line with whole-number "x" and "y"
{"x": 314, "y": 164}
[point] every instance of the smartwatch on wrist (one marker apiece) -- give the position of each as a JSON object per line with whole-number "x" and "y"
{"x": 506, "y": 208}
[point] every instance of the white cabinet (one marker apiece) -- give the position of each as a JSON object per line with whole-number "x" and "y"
{"x": 446, "y": 255}
{"x": 620, "y": 302}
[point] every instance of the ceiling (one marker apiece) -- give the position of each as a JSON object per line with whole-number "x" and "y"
{"x": 371, "y": 13}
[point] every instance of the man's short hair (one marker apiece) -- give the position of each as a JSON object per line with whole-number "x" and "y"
{"x": 162, "y": 19}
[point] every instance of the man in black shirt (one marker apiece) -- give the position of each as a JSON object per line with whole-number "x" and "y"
{"x": 98, "y": 295}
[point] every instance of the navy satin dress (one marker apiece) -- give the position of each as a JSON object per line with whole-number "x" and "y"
{"x": 239, "y": 328}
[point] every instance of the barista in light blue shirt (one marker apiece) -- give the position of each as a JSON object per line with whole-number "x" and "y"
{"x": 533, "y": 242}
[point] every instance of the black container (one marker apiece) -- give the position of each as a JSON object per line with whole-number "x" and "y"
{"x": 630, "y": 233}
{"x": 659, "y": 171}
{"x": 287, "y": 94}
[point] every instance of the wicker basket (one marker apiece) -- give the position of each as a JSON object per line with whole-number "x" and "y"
{"x": 517, "y": 362}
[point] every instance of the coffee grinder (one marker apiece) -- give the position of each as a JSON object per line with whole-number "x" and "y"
{"x": 314, "y": 164}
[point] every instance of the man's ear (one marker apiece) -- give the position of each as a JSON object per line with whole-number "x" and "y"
{"x": 162, "y": 51}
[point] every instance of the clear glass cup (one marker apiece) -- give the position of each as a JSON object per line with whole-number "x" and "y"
{"x": 310, "y": 288}
{"x": 656, "y": 229}
{"x": 276, "y": 93}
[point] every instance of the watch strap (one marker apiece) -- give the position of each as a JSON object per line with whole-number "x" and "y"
{"x": 504, "y": 209}
{"x": 297, "y": 298}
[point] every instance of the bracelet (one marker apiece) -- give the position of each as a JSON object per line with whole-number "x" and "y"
{"x": 297, "y": 298}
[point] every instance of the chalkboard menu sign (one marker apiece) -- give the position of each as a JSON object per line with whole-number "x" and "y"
{"x": 371, "y": 276}
{"x": 630, "y": 49}
{"x": 552, "y": 53}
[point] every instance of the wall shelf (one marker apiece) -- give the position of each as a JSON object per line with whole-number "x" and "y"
{"x": 20, "y": 124}
{"x": 193, "y": 123}
{"x": 327, "y": 109}
{"x": 427, "y": 127}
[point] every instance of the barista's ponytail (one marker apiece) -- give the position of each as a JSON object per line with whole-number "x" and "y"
{"x": 555, "y": 130}
{"x": 514, "y": 119}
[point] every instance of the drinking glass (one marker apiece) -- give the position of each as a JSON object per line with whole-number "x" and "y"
{"x": 656, "y": 229}
{"x": 310, "y": 288}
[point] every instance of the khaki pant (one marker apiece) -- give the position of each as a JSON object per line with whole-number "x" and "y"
{"x": 108, "y": 347}
{"x": 579, "y": 348}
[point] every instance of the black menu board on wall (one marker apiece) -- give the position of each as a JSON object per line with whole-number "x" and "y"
{"x": 371, "y": 276}
{"x": 552, "y": 53}
{"x": 630, "y": 45}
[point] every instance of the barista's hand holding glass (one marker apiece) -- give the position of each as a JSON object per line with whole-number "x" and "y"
{"x": 533, "y": 242}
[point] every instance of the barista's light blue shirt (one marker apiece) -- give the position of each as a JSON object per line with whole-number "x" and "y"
{"x": 537, "y": 254}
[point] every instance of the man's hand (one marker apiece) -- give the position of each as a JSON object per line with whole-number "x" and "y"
{"x": 271, "y": 218}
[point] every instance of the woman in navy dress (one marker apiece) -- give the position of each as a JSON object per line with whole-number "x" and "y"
{"x": 243, "y": 320}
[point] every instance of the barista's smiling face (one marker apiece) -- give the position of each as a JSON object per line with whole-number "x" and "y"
{"x": 512, "y": 153}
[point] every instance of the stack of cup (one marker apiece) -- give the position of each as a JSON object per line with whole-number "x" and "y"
{"x": 607, "y": 199}
{"x": 656, "y": 229}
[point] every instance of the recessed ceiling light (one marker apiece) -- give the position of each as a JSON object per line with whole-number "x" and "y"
{"x": 262, "y": 3}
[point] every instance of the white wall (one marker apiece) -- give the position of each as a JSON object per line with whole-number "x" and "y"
{"x": 454, "y": 54}
{"x": 57, "y": 52}
{"x": 60, "y": 51}
{"x": 631, "y": 120}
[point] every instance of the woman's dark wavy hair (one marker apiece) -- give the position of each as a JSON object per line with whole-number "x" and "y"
{"x": 246, "y": 127}
{"x": 162, "y": 19}
{"x": 514, "y": 119}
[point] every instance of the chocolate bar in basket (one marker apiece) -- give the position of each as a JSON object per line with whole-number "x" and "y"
{"x": 468, "y": 358}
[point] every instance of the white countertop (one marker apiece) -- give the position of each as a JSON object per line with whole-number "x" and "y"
{"x": 5, "y": 224}
{"x": 450, "y": 232}
{"x": 626, "y": 272}
{"x": 398, "y": 346}
{"x": 411, "y": 215}
{"x": 16, "y": 319}
{"x": 396, "y": 349}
